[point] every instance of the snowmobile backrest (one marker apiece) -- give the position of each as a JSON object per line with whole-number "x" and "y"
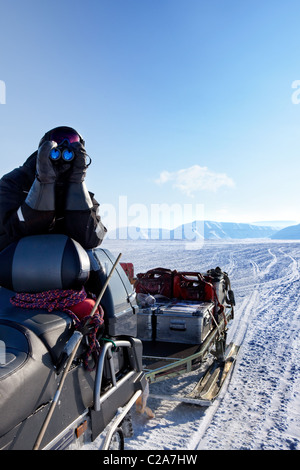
{"x": 44, "y": 262}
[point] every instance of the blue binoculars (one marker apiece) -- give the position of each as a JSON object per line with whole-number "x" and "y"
{"x": 66, "y": 154}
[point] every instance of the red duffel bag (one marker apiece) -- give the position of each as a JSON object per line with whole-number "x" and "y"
{"x": 158, "y": 281}
{"x": 129, "y": 270}
{"x": 192, "y": 286}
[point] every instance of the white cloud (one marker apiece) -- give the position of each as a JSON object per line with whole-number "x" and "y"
{"x": 194, "y": 179}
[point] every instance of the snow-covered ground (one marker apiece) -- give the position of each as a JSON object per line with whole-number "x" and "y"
{"x": 259, "y": 407}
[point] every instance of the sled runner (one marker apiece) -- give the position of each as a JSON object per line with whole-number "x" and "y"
{"x": 89, "y": 393}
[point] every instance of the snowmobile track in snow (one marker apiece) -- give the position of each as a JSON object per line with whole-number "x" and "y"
{"x": 260, "y": 400}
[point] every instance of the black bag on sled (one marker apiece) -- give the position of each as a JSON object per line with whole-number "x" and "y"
{"x": 157, "y": 281}
{"x": 221, "y": 283}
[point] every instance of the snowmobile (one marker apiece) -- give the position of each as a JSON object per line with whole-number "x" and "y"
{"x": 56, "y": 391}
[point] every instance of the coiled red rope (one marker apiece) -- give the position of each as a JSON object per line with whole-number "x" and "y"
{"x": 64, "y": 300}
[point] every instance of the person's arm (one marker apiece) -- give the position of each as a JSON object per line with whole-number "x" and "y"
{"x": 85, "y": 225}
{"x": 38, "y": 211}
{"x": 26, "y": 208}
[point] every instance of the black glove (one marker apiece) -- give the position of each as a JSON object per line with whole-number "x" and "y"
{"x": 44, "y": 166}
{"x": 79, "y": 166}
{"x": 41, "y": 196}
{"x": 77, "y": 196}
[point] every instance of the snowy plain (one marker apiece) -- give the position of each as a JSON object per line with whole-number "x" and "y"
{"x": 259, "y": 407}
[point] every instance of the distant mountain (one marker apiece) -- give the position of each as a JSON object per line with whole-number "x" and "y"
{"x": 288, "y": 233}
{"x": 191, "y": 231}
{"x": 278, "y": 224}
{"x": 230, "y": 230}
{"x": 138, "y": 233}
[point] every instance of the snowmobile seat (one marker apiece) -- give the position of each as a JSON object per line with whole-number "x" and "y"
{"x": 40, "y": 263}
{"x": 31, "y": 340}
{"x": 53, "y": 329}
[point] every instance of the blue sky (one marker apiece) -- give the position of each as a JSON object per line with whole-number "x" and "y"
{"x": 181, "y": 102}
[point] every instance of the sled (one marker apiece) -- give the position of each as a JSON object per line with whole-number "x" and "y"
{"x": 52, "y": 397}
{"x": 188, "y": 358}
{"x": 179, "y": 334}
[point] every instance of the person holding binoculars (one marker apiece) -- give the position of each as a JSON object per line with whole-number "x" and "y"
{"x": 48, "y": 193}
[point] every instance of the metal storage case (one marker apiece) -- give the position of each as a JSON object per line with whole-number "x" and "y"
{"x": 184, "y": 322}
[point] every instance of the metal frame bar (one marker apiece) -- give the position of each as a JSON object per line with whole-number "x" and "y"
{"x": 106, "y": 350}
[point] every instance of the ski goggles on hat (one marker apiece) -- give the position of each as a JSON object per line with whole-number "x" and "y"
{"x": 60, "y": 134}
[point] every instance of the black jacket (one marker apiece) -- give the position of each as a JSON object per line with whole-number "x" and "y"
{"x": 83, "y": 226}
